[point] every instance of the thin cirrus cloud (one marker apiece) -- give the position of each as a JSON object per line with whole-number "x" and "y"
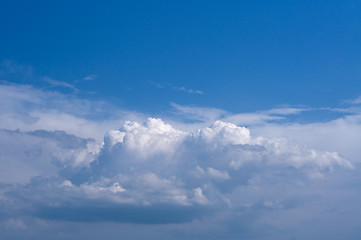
{"x": 256, "y": 118}
{"x": 192, "y": 91}
{"x": 56, "y": 83}
{"x": 27, "y": 108}
{"x": 171, "y": 174}
{"x": 90, "y": 77}
{"x": 176, "y": 88}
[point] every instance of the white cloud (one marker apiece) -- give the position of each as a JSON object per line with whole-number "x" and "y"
{"x": 211, "y": 174}
{"x": 218, "y": 174}
{"x": 286, "y": 111}
{"x": 152, "y": 163}
{"x": 357, "y": 100}
{"x": 254, "y": 118}
{"x": 340, "y": 135}
{"x": 24, "y": 155}
{"x": 90, "y": 77}
{"x": 28, "y": 109}
{"x": 63, "y": 84}
{"x": 197, "y": 113}
{"x": 183, "y": 89}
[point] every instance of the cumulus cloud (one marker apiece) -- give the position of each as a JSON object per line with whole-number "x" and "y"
{"x": 24, "y": 155}
{"x": 216, "y": 150}
{"x": 62, "y": 160}
{"x": 151, "y": 165}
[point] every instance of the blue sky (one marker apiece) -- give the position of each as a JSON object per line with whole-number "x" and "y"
{"x": 243, "y": 56}
{"x": 180, "y": 120}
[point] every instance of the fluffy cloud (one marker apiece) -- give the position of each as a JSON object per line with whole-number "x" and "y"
{"x": 61, "y": 160}
{"x": 24, "y": 155}
{"x": 221, "y": 144}
{"x": 143, "y": 166}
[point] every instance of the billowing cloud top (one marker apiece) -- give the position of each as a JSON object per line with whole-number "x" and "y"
{"x": 150, "y": 164}
{"x": 151, "y": 171}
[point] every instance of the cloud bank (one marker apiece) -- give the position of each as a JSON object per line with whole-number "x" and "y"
{"x": 151, "y": 164}
{"x": 63, "y": 162}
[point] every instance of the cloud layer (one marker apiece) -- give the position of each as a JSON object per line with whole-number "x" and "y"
{"x": 150, "y": 166}
{"x": 208, "y": 175}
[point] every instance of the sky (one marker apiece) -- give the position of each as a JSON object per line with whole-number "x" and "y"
{"x": 180, "y": 120}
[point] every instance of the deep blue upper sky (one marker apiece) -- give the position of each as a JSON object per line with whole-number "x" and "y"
{"x": 243, "y": 55}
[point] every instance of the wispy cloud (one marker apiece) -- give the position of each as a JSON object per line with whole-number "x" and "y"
{"x": 198, "y": 113}
{"x": 27, "y": 108}
{"x": 10, "y": 69}
{"x": 180, "y": 89}
{"x": 192, "y": 91}
{"x": 56, "y": 83}
{"x": 258, "y": 117}
{"x": 350, "y": 106}
{"x": 355, "y": 101}
{"x": 90, "y": 77}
